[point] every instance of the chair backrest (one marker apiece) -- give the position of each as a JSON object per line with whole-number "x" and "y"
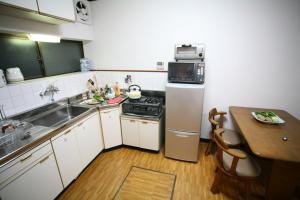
{"x": 215, "y": 123}
{"x": 223, "y": 147}
{"x": 219, "y": 139}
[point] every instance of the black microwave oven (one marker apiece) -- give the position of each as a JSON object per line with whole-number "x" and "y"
{"x": 186, "y": 72}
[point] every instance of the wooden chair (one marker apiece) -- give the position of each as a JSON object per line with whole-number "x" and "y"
{"x": 234, "y": 163}
{"x": 231, "y": 138}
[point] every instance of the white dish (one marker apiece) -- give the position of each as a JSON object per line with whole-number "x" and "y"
{"x": 280, "y": 121}
{"x": 92, "y": 102}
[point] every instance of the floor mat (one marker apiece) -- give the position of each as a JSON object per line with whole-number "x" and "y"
{"x": 141, "y": 183}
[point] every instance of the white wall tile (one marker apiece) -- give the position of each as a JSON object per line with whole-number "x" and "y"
{"x": 18, "y": 101}
{"x": 26, "y": 95}
{"x": 10, "y": 111}
{"x": 4, "y": 93}
{"x": 26, "y": 88}
{"x": 29, "y": 101}
{"x": 7, "y": 103}
{"x": 15, "y": 90}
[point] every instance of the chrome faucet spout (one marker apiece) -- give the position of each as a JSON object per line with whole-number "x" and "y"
{"x": 50, "y": 91}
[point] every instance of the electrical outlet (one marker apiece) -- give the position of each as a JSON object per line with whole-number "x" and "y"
{"x": 160, "y": 65}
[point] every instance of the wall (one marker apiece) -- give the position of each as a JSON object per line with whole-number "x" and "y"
{"x": 24, "y": 96}
{"x": 147, "y": 81}
{"x": 252, "y": 53}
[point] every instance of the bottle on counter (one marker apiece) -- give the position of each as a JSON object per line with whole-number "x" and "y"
{"x": 117, "y": 89}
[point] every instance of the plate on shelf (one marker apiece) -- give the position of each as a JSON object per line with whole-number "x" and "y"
{"x": 267, "y": 117}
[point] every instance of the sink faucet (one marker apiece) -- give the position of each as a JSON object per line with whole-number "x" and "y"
{"x": 50, "y": 91}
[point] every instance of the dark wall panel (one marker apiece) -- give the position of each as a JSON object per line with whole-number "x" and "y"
{"x": 61, "y": 58}
{"x": 20, "y": 53}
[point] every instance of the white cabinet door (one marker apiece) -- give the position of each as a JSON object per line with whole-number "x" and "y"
{"x": 67, "y": 155}
{"x": 89, "y": 139}
{"x": 42, "y": 181}
{"x": 149, "y": 135}
{"x": 111, "y": 127}
{"x": 27, "y": 4}
{"x": 59, "y": 8}
{"x": 130, "y": 133}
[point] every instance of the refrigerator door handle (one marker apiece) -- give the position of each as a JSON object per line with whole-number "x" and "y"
{"x": 183, "y": 133}
{"x": 180, "y": 135}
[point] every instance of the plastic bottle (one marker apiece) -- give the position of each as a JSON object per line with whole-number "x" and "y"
{"x": 117, "y": 89}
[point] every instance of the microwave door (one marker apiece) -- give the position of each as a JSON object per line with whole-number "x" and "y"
{"x": 181, "y": 72}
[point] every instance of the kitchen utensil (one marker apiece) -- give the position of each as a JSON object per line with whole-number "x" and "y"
{"x": 14, "y": 75}
{"x": 134, "y": 92}
{"x": 2, "y": 79}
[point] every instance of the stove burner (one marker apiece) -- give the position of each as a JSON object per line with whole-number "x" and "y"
{"x": 146, "y": 100}
{"x": 143, "y": 106}
{"x": 152, "y": 100}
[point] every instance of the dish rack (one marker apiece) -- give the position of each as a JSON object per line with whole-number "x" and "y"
{"x": 6, "y": 139}
{"x": 9, "y": 136}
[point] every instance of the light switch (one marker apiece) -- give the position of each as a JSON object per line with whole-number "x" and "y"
{"x": 160, "y": 65}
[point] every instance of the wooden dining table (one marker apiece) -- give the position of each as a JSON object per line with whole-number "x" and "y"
{"x": 279, "y": 143}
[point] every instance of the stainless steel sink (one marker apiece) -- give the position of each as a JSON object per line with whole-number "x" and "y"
{"x": 59, "y": 116}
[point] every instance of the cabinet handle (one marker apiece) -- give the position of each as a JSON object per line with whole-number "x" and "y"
{"x": 106, "y": 111}
{"x": 131, "y": 120}
{"x": 145, "y": 122}
{"x": 23, "y": 159}
{"x": 67, "y": 132}
{"x": 44, "y": 159}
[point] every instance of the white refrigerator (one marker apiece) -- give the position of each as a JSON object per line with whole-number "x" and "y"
{"x": 184, "y": 103}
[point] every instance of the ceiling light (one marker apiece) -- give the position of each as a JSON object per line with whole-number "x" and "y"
{"x": 43, "y": 38}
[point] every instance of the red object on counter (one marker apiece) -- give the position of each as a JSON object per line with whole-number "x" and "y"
{"x": 115, "y": 100}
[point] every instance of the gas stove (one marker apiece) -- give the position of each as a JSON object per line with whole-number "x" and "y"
{"x": 151, "y": 106}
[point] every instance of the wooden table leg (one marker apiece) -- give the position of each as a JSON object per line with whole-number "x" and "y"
{"x": 283, "y": 180}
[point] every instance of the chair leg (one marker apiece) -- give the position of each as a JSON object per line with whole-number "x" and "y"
{"x": 216, "y": 170}
{"x": 208, "y": 148}
{"x": 215, "y": 186}
{"x": 248, "y": 190}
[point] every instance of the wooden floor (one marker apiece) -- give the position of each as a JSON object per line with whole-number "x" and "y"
{"x": 103, "y": 177}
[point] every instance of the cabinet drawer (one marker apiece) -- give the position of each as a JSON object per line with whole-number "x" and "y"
{"x": 111, "y": 126}
{"x": 40, "y": 181}
{"x": 181, "y": 145}
{"x": 66, "y": 151}
{"x": 149, "y": 135}
{"x": 14, "y": 168}
{"x": 130, "y": 133}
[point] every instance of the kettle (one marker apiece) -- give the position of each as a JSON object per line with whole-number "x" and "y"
{"x": 2, "y": 79}
{"x": 134, "y": 92}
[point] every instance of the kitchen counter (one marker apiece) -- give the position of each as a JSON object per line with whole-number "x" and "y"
{"x": 44, "y": 133}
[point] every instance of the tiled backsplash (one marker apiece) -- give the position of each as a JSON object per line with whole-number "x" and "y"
{"x": 19, "y": 97}
{"x": 147, "y": 80}
{"x": 24, "y": 96}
